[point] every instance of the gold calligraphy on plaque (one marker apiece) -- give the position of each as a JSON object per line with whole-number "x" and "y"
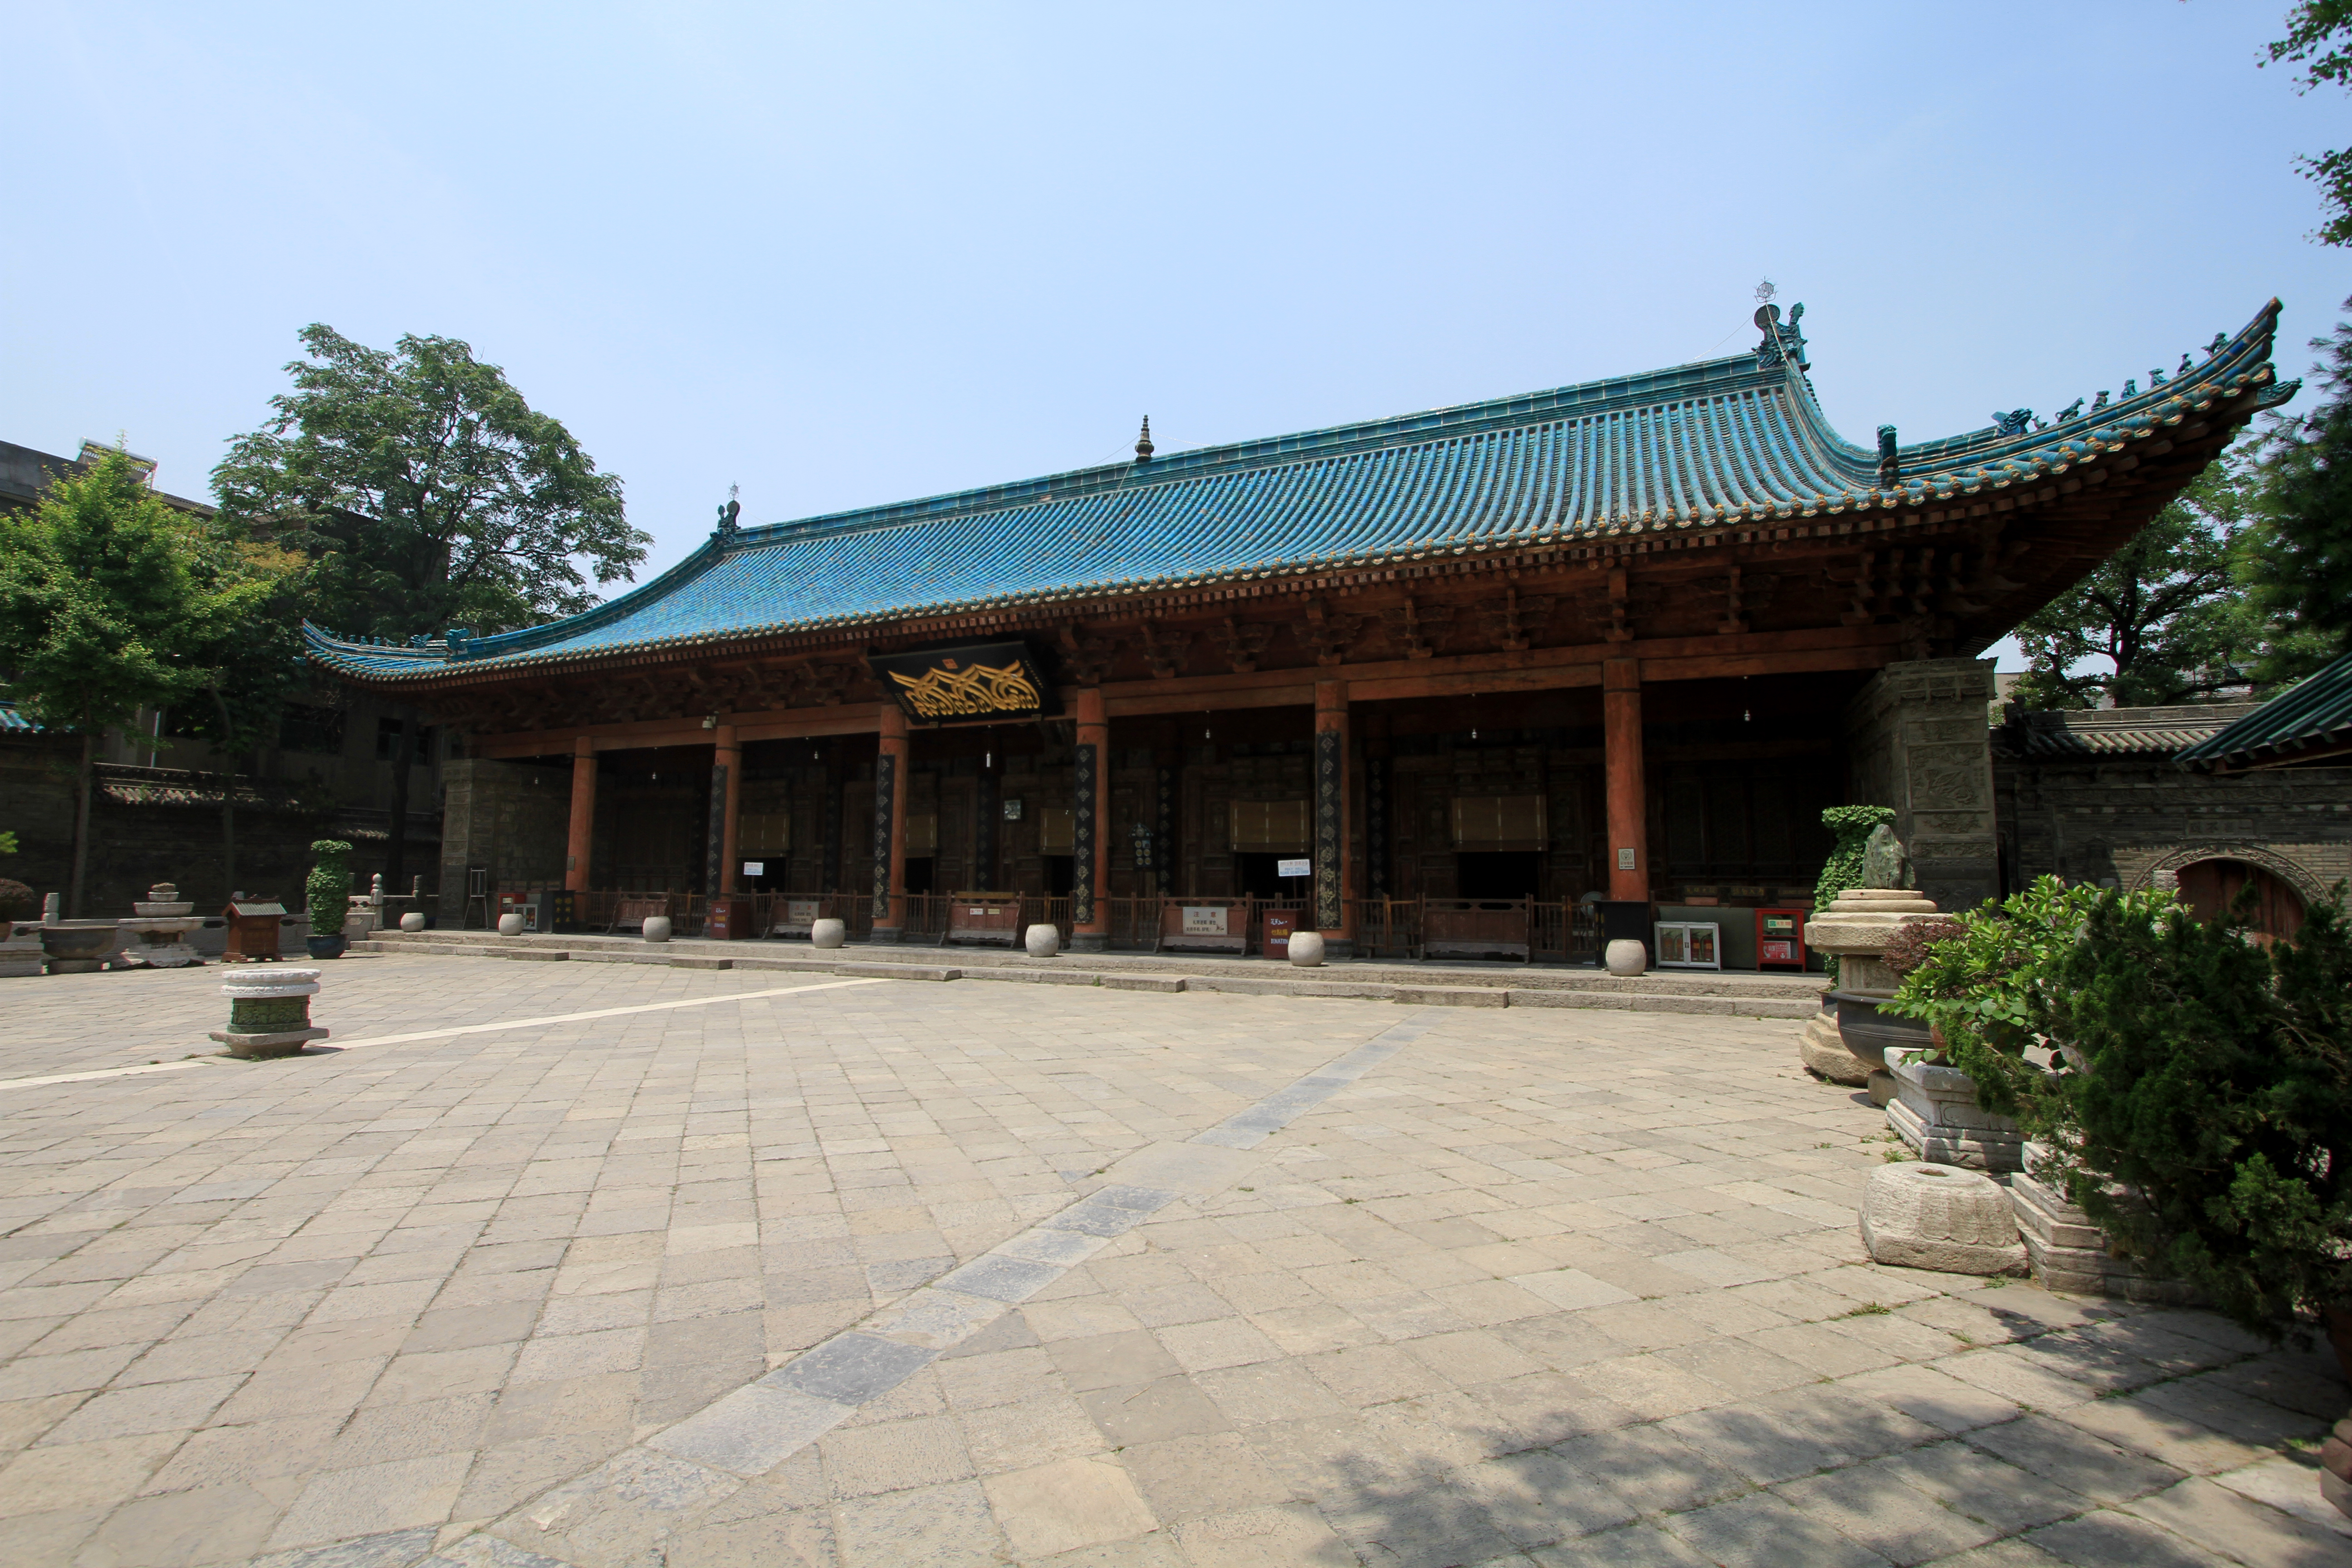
{"x": 959, "y": 693}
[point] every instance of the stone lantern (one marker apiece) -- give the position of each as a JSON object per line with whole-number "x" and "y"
{"x": 1856, "y": 930}
{"x": 158, "y": 926}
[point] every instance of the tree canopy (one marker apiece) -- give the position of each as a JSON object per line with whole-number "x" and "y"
{"x": 2319, "y": 39}
{"x": 2164, "y": 610}
{"x": 428, "y": 493}
{"x": 2297, "y": 553}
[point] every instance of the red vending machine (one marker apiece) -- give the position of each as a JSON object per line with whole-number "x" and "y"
{"x": 1780, "y": 939}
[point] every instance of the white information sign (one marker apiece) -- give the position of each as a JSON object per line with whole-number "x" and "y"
{"x": 1204, "y": 919}
{"x": 755, "y": 867}
{"x": 801, "y": 911}
{"x": 1294, "y": 869}
{"x": 1624, "y": 860}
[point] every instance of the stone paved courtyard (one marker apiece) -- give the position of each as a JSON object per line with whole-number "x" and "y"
{"x": 1237, "y": 1282}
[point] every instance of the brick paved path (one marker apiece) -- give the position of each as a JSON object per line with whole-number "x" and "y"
{"x": 672, "y": 1287}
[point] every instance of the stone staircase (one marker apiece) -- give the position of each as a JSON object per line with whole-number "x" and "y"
{"x": 1438, "y": 984}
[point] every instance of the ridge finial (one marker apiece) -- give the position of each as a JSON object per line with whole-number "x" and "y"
{"x": 1143, "y": 448}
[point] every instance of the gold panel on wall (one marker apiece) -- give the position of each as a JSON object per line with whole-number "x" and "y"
{"x": 1499, "y": 822}
{"x": 1058, "y": 831}
{"x": 1273, "y": 827}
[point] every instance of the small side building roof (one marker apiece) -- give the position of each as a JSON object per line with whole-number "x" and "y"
{"x": 2086, "y": 734}
{"x": 2308, "y": 722}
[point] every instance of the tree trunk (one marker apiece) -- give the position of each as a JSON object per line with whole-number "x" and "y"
{"x": 403, "y": 761}
{"x": 228, "y": 803}
{"x": 81, "y": 823}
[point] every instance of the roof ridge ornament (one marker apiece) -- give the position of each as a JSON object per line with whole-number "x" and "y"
{"x": 728, "y": 514}
{"x": 1890, "y": 467}
{"x": 1143, "y": 448}
{"x": 1783, "y": 342}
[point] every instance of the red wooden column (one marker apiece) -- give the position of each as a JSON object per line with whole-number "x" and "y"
{"x": 890, "y": 783}
{"x": 729, "y": 755}
{"x": 1335, "y": 883}
{"x": 581, "y": 843}
{"x": 1090, "y": 827}
{"x": 1620, "y": 713}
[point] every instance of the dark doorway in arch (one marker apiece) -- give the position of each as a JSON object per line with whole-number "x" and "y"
{"x": 919, "y": 873}
{"x": 2211, "y": 887}
{"x": 1497, "y": 873}
{"x": 1061, "y": 870}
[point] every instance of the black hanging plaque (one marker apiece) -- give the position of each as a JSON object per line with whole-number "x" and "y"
{"x": 980, "y": 682}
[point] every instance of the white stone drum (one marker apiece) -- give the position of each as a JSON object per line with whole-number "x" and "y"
{"x": 657, "y": 928}
{"x": 269, "y": 1011}
{"x": 509, "y": 925}
{"x": 827, "y": 933}
{"x": 1626, "y": 958}
{"x": 1043, "y": 940}
{"x": 1916, "y": 1215}
{"x": 412, "y": 922}
{"x": 1307, "y": 947}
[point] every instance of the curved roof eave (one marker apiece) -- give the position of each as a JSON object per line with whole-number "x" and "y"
{"x": 1716, "y": 440}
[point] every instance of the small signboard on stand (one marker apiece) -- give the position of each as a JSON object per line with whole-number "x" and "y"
{"x": 1279, "y": 924}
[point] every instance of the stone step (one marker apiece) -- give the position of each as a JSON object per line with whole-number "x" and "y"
{"x": 1501, "y": 976}
{"x": 1274, "y": 981}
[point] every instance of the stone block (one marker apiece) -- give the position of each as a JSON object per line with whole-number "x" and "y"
{"x": 1145, "y": 982}
{"x": 897, "y": 971}
{"x": 685, "y": 963}
{"x": 1824, "y": 1054}
{"x": 2067, "y": 1252}
{"x": 1935, "y": 1111}
{"x": 1449, "y": 997}
{"x": 1941, "y": 1217}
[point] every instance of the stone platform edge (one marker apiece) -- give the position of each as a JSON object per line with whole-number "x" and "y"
{"x": 1477, "y": 991}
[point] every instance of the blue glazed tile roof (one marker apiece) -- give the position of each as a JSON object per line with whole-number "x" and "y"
{"x": 1719, "y": 441}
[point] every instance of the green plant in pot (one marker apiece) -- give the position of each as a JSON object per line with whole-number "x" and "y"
{"x": 18, "y": 902}
{"x": 1849, "y": 826}
{"x": 2193, "y": 1084}
{"x": 327, "y": 895}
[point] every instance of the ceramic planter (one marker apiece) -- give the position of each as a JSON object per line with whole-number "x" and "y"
{"x": 325, "y": 946}
{"x": 1870, "y": 1034}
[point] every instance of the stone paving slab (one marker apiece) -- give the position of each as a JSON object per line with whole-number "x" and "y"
{"x": 891, "y": 1273}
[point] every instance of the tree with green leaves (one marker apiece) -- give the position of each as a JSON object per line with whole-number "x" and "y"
{"x": 2319, "y": 39}
{"x": 2163, "y": 611}
{"x": 242, "y": 667}
{"x": 428, "y": 495}
{"x": 101, "y": 606}
{"x": 2296, "y": 557}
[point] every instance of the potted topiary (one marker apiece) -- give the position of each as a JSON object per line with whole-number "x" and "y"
{"x": 18, "y": 902}
{"x": 328, "y": 894}
{"x": 2186, "y": 1087}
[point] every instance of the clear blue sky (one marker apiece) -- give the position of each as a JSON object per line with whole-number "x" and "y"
{"x": 853, "y": 254}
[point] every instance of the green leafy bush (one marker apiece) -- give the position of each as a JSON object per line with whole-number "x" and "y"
{"x": 2215, "y": 1078}
{"x": 1982, "y": 980}
{"x": 2208, "y": 1073}
{"x": 1851, "y": 825}
{"x": 328, "y": 893}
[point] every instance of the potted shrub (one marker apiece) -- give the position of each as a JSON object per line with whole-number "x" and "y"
{"x": 2193, "y": 1087}
{"x": 326, "y": 894}
{"x": 18, "y": 902}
